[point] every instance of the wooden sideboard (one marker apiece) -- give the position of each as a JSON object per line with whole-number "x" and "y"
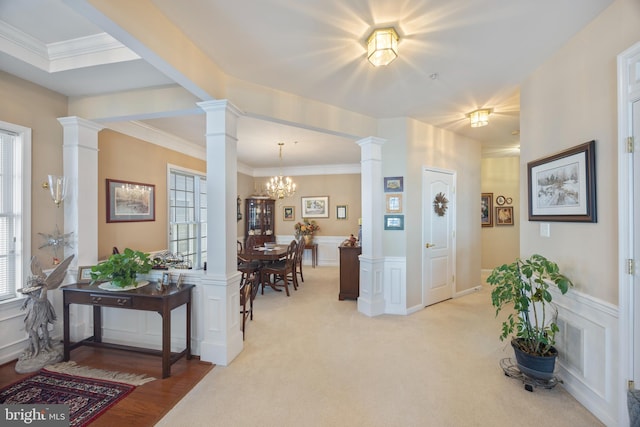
{"x": 349, "y": 272}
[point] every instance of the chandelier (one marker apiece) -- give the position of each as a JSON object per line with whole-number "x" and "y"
{"x": 279, "y": 187}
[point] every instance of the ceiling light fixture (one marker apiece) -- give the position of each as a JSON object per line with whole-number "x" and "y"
{"x": 479, "y": 118}
{"x": 279, "y": 187}
{"x": 382, "y": 46}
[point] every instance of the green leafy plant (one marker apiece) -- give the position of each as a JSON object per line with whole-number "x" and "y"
{"x": 524, "y": 285}
{"x": 121, "y": 269}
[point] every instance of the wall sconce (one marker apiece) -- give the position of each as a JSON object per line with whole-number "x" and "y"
{"x": 382, "y": 46}
{"x": 57, "y": 186}
{"x": 479, "y": 118}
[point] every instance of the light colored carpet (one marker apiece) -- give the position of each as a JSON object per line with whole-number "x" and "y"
{"x": 312, "y": 360}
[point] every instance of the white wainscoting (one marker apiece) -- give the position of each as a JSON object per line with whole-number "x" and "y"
{"x": 395, "y": 285}
{"x": 328, "y": 252}
{"x": 588, "y": 347}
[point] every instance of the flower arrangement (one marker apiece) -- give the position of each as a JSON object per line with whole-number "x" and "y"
{"x": 306, "y": 228}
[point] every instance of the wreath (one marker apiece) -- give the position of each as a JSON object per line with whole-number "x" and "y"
{"x": 440, "y": 204}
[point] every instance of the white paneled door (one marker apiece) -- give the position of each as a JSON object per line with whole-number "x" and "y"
{"x": 438, "y": 243}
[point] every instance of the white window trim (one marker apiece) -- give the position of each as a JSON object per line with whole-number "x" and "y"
{"x": 24, "y": 134}
{"x": 177, "y": 168}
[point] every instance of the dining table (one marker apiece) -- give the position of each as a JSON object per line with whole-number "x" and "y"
{"x": 264, "y": 255}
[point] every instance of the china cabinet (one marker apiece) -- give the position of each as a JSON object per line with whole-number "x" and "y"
{"x": 260, "y": 219}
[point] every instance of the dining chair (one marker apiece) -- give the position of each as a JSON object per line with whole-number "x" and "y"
{"x": 282, "y": 272}
{"x": 249, "y": 283}
{"x": 298, "y": 261}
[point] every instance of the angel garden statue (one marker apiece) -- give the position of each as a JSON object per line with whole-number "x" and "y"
{"x": 40, "y": 313}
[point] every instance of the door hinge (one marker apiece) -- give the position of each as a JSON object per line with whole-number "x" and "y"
{"x": 631, "y": 385}
{"x": 631, "y": 267}
{"x": 630, "y": 146}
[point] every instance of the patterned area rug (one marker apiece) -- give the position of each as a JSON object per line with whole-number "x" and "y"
{"x": 88, "y": 398}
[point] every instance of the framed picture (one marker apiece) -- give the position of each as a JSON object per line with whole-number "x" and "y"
{"x": 315, "y": 207}
{"x": 84, "y": 274}
{"x": 486, "y": 209}
{"x": 341, "y": 212}
{"x": 562, "y": 187}
{"x": 504, "y": 215}
{"x": 288, "y": 213}
{"x": 393, "y": 184}
{"x": 394, "y": 203}
{"x": 130, "y": 201}
{"x": 394, "y": 222}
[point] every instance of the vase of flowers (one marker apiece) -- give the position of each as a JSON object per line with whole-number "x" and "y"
{"x": 306, "y": 229}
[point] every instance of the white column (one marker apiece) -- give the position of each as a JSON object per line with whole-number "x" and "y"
{"x": 371, "y": 299}
{"x": 220, "y": 302}
{"x": 80, "y": 165}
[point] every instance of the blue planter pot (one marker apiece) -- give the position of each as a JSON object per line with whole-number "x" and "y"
{"x": 540, "y": 367}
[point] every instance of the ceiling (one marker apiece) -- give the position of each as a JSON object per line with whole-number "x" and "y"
{"x": 454, "y": 56}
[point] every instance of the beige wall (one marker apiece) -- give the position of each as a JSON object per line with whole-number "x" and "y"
{"x": 343, "y": 189}
{"x": 569, "y": 100}
{"x": 421, "y": 145}
{"x": 32, "y": 106}
{"x": 501, "y": 244}
{"x": 124, "y": 158}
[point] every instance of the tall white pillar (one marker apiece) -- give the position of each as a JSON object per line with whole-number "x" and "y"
{"x": 80, "y": 166}
{"x": 221, "y": 335}
{"x": 371, "y": 299}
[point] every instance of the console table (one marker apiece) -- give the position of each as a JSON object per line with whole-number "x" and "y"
{"x": 314, "y": 253}
{"x": 146, "y": 298}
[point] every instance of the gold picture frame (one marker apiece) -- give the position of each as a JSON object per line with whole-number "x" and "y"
{"x": 394, "y": 203}
{"x": 288, "y": 213}
{"x": 84, "y": 274}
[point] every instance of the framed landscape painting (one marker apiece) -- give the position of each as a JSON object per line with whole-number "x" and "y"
{"x": 315, "y": 207}
{"x": 130, "y": 201}
{"x": 562, "y": 187}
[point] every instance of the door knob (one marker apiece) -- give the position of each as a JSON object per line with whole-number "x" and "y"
{"x": 429, "y": 245}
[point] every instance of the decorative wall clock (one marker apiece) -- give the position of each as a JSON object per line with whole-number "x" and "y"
{"x": 440, "y": 204}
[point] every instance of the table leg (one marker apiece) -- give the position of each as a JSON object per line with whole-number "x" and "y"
{"x": 97, "y": 323}
{"x": 166, "y": 343}
{"x": 66, "y": 337}
{"x": 189, "y": 328}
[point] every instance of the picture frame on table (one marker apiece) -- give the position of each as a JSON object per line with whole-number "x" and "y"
{"x": 341, "y": 212}
{"x": 129, "y": 201}
{"x": 288, "y": 213}
{"x": 84, "y": 274}
{"x": 562, "y": 187}
{"x": 486, "y": 209}
{"x": 315, "y": 207}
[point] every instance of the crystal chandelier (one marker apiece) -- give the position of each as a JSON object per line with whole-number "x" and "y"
{"x": 280, "y": 187}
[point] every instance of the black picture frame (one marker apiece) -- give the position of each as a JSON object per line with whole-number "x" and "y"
{"x": 394, "y": 184}
{"x": 129, "y": 201}
{"x": 562, "y": 187}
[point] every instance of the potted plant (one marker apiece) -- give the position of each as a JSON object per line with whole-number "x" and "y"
{"x": 121, "y": 269}
{"x": 524, "y": 286}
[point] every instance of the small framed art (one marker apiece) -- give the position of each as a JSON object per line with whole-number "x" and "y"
{"x": 341, "y": 212}
{"x": 504, "y": 215}
{"x": 394, "y": 222}
{"x": 288, "y": 213}
{"x": 393, "y": 184}
{"x": 394, "y": 203}
{"x": 486, "y": 209}
{"x": 84, "y": 274}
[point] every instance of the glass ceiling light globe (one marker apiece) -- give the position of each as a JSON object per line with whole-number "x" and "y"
{"x": 479, "y": 118}
{"x": 382, "y": 46}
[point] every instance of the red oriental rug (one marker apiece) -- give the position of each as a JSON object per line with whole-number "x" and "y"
{"x": 87, "y": 398}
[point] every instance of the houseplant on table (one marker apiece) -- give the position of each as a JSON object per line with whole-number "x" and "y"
{"x": 524, "y": 286}
{"x": 121, "y": 269}
{"x": 306, "y": 229}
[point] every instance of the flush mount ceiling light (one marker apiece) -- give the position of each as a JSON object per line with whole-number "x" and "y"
{"x": 382, "y": 46}
{"x": 479, "y": 118}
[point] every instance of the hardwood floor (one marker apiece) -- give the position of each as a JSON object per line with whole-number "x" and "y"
{"x": 148, "y": 403}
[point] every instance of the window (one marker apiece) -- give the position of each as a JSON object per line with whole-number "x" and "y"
{"x": 188, "y": 215}
{"x": 15, "y": 207}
